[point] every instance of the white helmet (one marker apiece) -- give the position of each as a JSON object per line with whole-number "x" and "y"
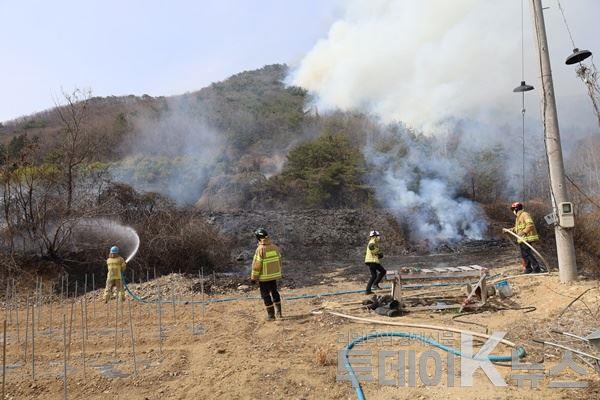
{"x": 373, "y": 233}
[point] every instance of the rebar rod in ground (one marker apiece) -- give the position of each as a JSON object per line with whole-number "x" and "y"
{"x": 159, "y": 311}
{"x": 132, "y": 338}
{"x": 122, "y": 318}
{"x": 40, "y": 303}
{"x": 116, "y": 323}
{"x": 33, "y": 342}
{"x": 17, "y": 316}
{"x": 173, "y": 301}
{"x": 203, "y": 299}
{"x": 7, "y": 301}
{"x": 83, "y": 340}
{"x": 193, "y": 313}
{"x": 50, "y": 301}
{"x": 4, "y": 361}
{"x": 26, "y": 331}
{"x": 94, "y": 296}
{"x": 65, "y": 356}
{"x": 62, "y": 294}
{"x": 70, "y": 332}
{"x": 85, "y": 287}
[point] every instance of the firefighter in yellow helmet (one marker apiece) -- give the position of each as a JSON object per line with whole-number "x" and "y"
{"x": 116, "y": 265}
{"x": 372, "y": 257}
{"x": 266, "y": 270}
{"x": 525, "y": 229}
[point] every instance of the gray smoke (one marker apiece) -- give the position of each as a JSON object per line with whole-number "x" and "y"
{"x": 173, "y": 152}
{"x": 445, "y": 69}
{"x": 414, "y": 180}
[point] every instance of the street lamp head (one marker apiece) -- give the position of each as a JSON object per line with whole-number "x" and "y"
{"x": 578, "y": 56}
{"x": 523, "y": 87}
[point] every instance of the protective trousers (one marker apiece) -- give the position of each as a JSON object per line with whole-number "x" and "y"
{"x": 529, "y": 260}
{"x": 269, "y": 293}
{"x": 377, "y": 274}
{"x": 114, "y": 283}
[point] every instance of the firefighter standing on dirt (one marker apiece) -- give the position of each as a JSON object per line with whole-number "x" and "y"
{"x": 525, "y": 229}
{"x": 372, "y": 257}
{"x": 266, "y": 269}
{"x": 116, "y": 265}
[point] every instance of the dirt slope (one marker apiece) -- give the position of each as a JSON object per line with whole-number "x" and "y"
{"x": 235, "y": 354}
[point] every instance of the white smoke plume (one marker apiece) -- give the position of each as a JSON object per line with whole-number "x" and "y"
{"x": 440, "y": 67}
{"x": 419, "y": 186}
{"x": 430, "y": 62}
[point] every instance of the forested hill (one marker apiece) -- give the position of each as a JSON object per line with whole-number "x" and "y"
{"x": 218, "y": 145}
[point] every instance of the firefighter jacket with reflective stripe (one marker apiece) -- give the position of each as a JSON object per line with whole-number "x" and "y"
{"x": 266, "y": 265}
{"x": 525, "y": 227}
{"x": 373, "y": 252}
{"x": 116, "y": 265}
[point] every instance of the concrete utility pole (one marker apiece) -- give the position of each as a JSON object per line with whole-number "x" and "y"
{"x": 564, "y": 236}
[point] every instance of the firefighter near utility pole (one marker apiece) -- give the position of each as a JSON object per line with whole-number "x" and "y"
{"x": 266, "y": 270}
{"x": 525, "y": 229}
{"x": 116, "y": 266}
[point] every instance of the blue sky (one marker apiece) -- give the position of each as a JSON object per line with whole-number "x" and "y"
{"x": 145, "y": 47}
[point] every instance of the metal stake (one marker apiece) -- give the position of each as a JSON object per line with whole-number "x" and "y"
{"x": 65, "y": 355}
{"x": 33, "y": 342}
{"x": 159, "y": 310}
{"x": 116, "y": 323}
{"x": 4, "y": 361}
{"x": 83, "y": 339}
{"x": 132, "y": 338}
{"x": 70, "y": 331}
{"x": 26, "y": 331}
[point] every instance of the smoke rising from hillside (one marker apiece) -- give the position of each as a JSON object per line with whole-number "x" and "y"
{"x": 173, "y": 153}
{"x": 437, "y": 67}
{"x": 420, "y": 186}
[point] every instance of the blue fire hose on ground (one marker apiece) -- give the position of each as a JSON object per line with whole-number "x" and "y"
{"x": 354, "y": 379}
{"x": 290, "y": 298}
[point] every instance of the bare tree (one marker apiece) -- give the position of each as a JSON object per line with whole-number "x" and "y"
{"x": 79, "y": 141}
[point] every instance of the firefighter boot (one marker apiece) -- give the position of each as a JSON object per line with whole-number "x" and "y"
{"x": 278, "y": 310}
{"x": 270, "y": 313}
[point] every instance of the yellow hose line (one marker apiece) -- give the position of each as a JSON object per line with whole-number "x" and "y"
{"x": 530, "y": 246}
{"x": 419, "y": 326}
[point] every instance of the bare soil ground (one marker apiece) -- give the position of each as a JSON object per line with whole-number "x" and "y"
{"x": 234, "y": 353}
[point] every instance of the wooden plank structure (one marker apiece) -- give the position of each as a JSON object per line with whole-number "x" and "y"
{"x": 480, "y": 290}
